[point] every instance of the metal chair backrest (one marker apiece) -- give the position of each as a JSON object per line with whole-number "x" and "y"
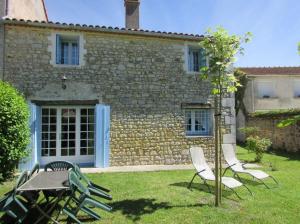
{"x": 229, "y": 154}
{"x": 59, "y": 166}
{"x": 199, "y": 162}
{"x": 75, "y": 183}
{"x": 20, "y": 181}
{"x": 34, "y": 170}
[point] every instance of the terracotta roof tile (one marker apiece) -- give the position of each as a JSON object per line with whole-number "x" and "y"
{"x": 271, "y": 70}
{"x": 105, "y": 28}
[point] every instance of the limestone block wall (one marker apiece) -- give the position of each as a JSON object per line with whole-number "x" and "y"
{"x": 142, "y": 79}
{"x": 287, "y": 138}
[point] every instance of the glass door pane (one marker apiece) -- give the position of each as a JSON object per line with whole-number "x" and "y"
{"x": 68, "y": 131}
{"x": 48, "y": 132}
{"x": 87, "y": 131}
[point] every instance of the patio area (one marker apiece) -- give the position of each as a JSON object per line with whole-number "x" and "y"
{"x": 163, "y": 197}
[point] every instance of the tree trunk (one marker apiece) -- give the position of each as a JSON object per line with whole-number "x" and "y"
{"x": 217, "y": 163}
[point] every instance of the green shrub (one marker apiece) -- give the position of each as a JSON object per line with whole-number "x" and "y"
{"x": 14, "y": 129}
{"x": 250, "y": 131}
{"x": 258, "y": 145}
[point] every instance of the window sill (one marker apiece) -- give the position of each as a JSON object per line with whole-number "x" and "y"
{"x": 199, "y": 136}
{"x": 270, "y": 98}
{"x": 193, "y": 73}
{"x": 67, "y": 66}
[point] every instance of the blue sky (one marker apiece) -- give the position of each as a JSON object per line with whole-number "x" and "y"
{"x": 275, "y": 24}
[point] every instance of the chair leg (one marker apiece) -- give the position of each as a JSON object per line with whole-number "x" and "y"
{"x": 264, "y": 183}
{"x": 207, "y": 185}
{"x": 274, "y": 180}
{"x": 189, "y": 186}
{"x": 235, "y": 193}
{"x": 248, "y": 189}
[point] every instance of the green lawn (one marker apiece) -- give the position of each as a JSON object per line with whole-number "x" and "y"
{"x": 162, "y": 197}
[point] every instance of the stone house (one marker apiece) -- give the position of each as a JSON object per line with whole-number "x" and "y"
{"x": 103, "y": 96}
{"x": 270, "y": 89}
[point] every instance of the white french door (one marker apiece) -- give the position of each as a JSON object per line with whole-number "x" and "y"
{"x": 67, "y": 134}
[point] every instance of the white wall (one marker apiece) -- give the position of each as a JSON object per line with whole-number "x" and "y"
{"x": 284, "y": 95}
{"x": 26, "y": 9}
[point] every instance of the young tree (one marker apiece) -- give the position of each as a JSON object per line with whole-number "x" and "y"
{"x": 221, "y": 49}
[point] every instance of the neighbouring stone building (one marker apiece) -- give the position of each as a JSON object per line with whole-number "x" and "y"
{"x": 102, "y": 96}
{"x": 272, "y": 94}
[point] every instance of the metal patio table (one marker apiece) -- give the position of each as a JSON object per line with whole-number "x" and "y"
{"x": 52, "y": 180}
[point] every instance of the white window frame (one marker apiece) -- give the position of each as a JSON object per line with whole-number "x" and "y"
{"x": 187, "y": 47}
{"x": 77, "y": 158}
{"x": 259, "y": 90}
{"x": 296, "y": 88}
{"x": 81, "y": 49}
{"x": 193, "y": 132}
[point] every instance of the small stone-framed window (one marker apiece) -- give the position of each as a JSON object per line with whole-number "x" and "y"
{"x": 196, "y": 59}
{"x": 67, "y": 50}
{"x": 198, "y": 122}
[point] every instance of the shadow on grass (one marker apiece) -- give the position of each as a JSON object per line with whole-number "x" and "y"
{"x": 226, "y": 193}
{"x": 283, "y": 153}
{"x": 134, "y": 209}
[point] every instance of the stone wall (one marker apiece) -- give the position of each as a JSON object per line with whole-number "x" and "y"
{"x": 142, "y": 79}
{"x": 287, "y": 138}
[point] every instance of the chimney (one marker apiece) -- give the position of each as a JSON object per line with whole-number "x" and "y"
{"x": 132, "y": 14}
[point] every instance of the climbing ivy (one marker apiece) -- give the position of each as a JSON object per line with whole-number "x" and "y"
{"x": 240, "y": 93}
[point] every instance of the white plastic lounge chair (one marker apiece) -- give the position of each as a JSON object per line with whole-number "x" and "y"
{"x": 206, "y": 174}
{"x": 237, "y": 167}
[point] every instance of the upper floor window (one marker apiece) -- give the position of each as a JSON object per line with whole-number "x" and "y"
{"x": 198, "y": 122}
{"x": 265, "y": 89}
{"x": 296, "y": 88}
{"x": 67, "y": 50}
{"x": 196, "y": 59}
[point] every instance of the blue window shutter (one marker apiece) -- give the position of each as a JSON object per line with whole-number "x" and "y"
{"x": 34, "y": 146}
{"x": 102, "y": 135}
{"x": 58, "y": 49}
{"x": 202, "y": 58}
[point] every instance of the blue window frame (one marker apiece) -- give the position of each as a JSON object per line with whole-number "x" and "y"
{"x": 67, "y": 50}
{"x": 196, "y": 59}
{"x": 198, "y": 122}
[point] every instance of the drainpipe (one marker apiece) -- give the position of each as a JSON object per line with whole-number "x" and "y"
{"x": 252, "y": 87}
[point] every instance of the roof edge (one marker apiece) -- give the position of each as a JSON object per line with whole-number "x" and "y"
{"x": 104, "y": 29}
{"x": 45, "y": 10}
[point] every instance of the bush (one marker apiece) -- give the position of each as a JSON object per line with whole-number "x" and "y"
{"x": 258, "y": 145}
{"x": 14, "y": 129}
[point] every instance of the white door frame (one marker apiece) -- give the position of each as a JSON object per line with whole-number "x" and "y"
{"x": 77, "y": 158}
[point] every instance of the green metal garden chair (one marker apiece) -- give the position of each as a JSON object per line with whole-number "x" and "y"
{"x": 35, "y": 170}
{"x": 56, "y": 166}
{"x": 59, "y": 166}
{"x": 14, "y": 206}
{"x": 94, "y": 189}
{"x": 81, "y": 197}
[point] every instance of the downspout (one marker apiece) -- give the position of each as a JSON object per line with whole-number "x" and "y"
{"x": 252, "y": 87}
{"x": 3, "y": 51}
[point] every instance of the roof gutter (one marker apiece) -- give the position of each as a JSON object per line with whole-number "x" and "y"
{"x": 103, "y": 29}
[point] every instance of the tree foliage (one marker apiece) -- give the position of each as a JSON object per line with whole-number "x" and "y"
{"x": 221, "y": 48}
{"x": 14, "y": 129}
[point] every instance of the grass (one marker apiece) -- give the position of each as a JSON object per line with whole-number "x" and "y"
{"x": 163, "y": 197}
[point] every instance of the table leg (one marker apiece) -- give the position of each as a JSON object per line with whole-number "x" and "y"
{"x": 45, "y": 215}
